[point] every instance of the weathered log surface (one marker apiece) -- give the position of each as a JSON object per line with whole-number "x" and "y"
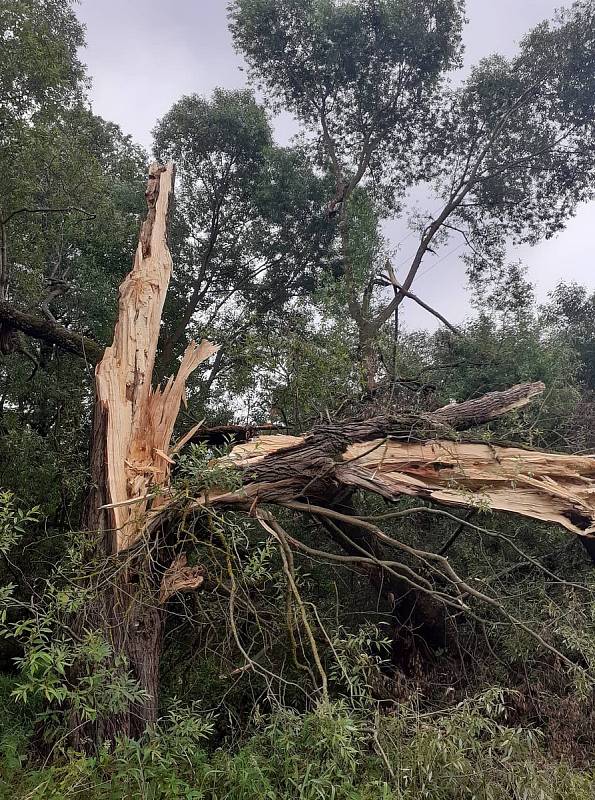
{"x": 395, "y": 457}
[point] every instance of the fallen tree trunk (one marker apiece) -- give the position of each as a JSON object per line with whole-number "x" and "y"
{"x": 222, "y": 435}
{"x": 411, "y": 456}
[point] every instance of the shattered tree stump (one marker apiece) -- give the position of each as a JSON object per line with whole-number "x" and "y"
{"x": 130, "y": 502}
{"x": 134, "y": 422}
{"x": 130, "y": 472}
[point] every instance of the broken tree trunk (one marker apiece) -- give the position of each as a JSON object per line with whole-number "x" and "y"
{"x": 421, "y": 456}
{"x": 131, "y": 457}
{"x": 417, "y": 456}
{"x": 134, "y": 421}
{"x": 133, "y": 425}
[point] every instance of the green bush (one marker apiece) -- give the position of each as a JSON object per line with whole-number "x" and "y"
{"x": 332, "y": 752}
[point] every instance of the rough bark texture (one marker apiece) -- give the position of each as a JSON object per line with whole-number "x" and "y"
{"x": 13, "y": 319}
{"x": 411, "y": 455}
{"x": 549, "y": 487}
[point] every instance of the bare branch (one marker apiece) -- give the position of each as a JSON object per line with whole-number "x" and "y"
{"x": 51, "y": 332}
{"x": 391, "y": 280}
{"x": 454, "y": 202}
{"x": 65, "y": 210}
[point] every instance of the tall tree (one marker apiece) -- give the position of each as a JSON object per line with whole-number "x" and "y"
{"x": 70, "y": 196}
{"x": 508, "y": 152}
{"x": 247, "y": 232}
{"x": 39, "y": 75}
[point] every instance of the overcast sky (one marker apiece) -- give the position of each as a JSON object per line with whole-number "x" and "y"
{"x": 142, "y": 55}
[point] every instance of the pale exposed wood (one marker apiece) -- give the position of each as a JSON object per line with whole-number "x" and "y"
{"x": 180, "y": 578}
{"x": 186, "y": 438}
{"x": 138, "y": 421}
{"x": 550, "y": 487}
{"x": 390, "y": 456}
{"x": 253, "y": 452}
{"x": 381, "y": 457}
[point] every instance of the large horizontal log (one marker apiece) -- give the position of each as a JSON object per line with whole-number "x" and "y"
{"x": 222, "y": 435}
{"x": 549, "y": 487}
{"x": 396, "y": 457}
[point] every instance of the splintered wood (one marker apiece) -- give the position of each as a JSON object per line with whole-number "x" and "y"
{"x": 179, "y": 578}
{"x": 549, "y": 487}
{"x": 417, "y": 455}
{"x": 135, "y": 422}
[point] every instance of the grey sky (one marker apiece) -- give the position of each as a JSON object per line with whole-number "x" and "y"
{"x": 143, "y": 55}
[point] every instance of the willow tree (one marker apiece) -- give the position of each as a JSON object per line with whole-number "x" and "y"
{"x": 506, "y": 154}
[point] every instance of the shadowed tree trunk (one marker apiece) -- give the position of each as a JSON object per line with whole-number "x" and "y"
{"x": 133, "y": 425}
{"x": 419, "y": 621}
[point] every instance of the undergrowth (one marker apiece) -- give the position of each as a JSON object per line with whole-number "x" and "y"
{"x": 339, "y": 750}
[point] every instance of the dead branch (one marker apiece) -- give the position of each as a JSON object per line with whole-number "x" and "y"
{"x": 221, "y": 435}
{"x": 391, "y": 280}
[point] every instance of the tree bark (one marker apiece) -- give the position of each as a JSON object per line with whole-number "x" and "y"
{"x": 421, "y": 456}
{"x": 130, "y": 465}
{"x": 13, "y": 319}
{"x": 368, "y": 357}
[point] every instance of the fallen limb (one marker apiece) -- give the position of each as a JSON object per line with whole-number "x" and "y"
{"x": 222, "y": 435}
{"x": 409, "y": 456}
{"x": 549, "y": 487}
